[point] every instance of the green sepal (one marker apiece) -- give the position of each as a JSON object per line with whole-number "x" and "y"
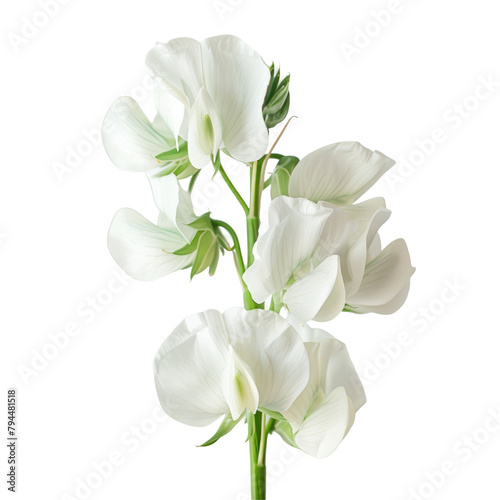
{"x": 284, "y": 429}
{"x": 351, "y": 309}
{"x": 216, "y": 163}
{"x": 177, "y": 162}
{"x": 251, "y": 426}
{"x": 280, "y": 177}
{"x": 279, "y": 184}
{"x": 215, "y": 261}
{"x": 190, "y": 247}
{"x": 273, "y": 414}
{"x": 202, "y": 222}
{"x": 207, "y": 245}
{"x": 226, "y": 426}
{"x": 224, "y": 244}
{"x": 174, "y": 153}
{"x": 181, "y": 169}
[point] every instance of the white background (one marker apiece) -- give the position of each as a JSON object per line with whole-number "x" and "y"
{"x": 86, "y": 403}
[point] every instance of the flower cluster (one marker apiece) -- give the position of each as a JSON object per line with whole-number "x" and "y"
{"x": 320, "y": 254}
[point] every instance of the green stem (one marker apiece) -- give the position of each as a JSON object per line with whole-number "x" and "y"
{"x": 276, "y": 156}
{"x": 253, "y": 222}
{"x": 258, "y": 467}
{"x": 192, "y": 181}
{"x": 258, "y": 442}
{"x": 270, "y": 426}
{"x": 263, "y": 442}
{"x": 233, "y": 189}
{"x": 240, "y": 264}
{"x": 253, "y": 217}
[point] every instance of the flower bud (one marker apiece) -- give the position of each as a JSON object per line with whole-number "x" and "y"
{"x": 277, "y": 100}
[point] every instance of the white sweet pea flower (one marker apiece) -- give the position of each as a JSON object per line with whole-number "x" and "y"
{"x": 375, "y": 280}
{"x": 132, "y": 142}
{"x": 285, "y": 250}
{"x": 216, "y": 364}
{"x": 321, "y": 416}
{"x": 145, "y": 250}
{"x": 314, "y": 258}
{"x": 211, "y": 93}
{"x": 339, "y": 173}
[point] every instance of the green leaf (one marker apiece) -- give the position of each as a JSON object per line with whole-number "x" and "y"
{"x": 226, "y": 426}
{"x": 174, "y": 154}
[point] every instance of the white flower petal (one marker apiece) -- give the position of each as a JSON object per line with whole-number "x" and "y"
{"x": 339, "y": 173}
{"x": 188, "y": 370}
{"x": 179, "y": 63}
{"x": 335, "y": 302}
{"x": 205, "y": 131}
{"x": 389, "y": 307}
{"x": 330, "y": 366}
{"x": 175, "y": 203}
{"x": 335, "y": 368}
{"x": 142, "y": 249}
{"x": 236, "y": 78}
{"x": 162, "y": 128}
{"x": 374, "y": 249}
{"x": 169, "y": 107}
{"x": 238, "y": 386}
{"x": 129, "y": 138}
{"x": 325, "y": 428}
{"x": 274, "y": 353}
{"x": 385, "y": 283}
{"x": 295, "y": 226}
{"x": 365, "y": 219}
{"x": 306, "y": 332}
{"x": 319, "y": 295}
